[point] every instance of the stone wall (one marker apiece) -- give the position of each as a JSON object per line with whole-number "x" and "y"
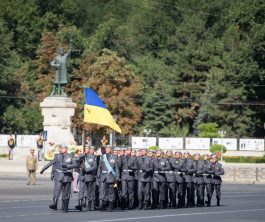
{"x": 244, "y": 173}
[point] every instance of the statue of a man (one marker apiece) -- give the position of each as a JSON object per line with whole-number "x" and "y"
{"x": 59, "y": 62}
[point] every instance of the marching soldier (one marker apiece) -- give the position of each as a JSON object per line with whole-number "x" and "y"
{"x": 145, "y": 170}
{"x": 161, "y": 166}
{"x": 208, "y": 179}
{"x": 63, "y": 176}
{"x": 128, "y": 164}
{"x": 108, "y": 174}
{"x": 189, "y": 170}
{"x": 199, "y": 180}
{"x": 180, "y": 181}
{"x": 82, "y": 193}
{"x": 217, "y": 180}
{"x": 171, "y": 179}
{"x": 134, "y": 155}
{"x": 89, "y": 172}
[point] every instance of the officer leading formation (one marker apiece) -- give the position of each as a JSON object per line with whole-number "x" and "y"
{"x": 130, "y": 179}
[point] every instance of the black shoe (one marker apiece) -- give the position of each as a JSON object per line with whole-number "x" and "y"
{"x": 161, "y": 205}
{"x": 101, "y": 205}
{"x": 218, "y": 201}
{"x": 140, "y": 207}
{"x": 89, "y": 205}
{"x": 53, "y": 206}
{"x": 145, "y": 206}
{"x": 84, "y": 202}
{"x": 130, "y": 206}
{"x": 92, "y": 205}
{"x": 79, "y": 206}
{"x": 65, "y": 206}
{"x": 208, "y": 202}
{"x": 110, "y": 206}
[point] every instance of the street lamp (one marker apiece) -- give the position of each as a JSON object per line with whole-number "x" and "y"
{"x": 222, "y": 133}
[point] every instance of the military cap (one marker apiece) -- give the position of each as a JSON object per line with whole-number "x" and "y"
{"x": 214, "y": 155}
{"x": 63, "y": 145}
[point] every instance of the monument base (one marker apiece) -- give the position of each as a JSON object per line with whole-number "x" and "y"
{"x": 57, "y": 112}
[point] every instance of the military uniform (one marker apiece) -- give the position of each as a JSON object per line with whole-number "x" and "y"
{"x": 145, "y": 170}
{"x": 161, "y": 168}
{"x": 217, "y": 180}
{"x": 199, "y": 181}
{"x": 62, "y": 175}
{"x": 107, "y": 180}
{"x": 31, "y": 165}
{"x": 208, "y": 180}
{"x": 189, "y": 170}
{"x": 171, "y": 182}
{"x": 89, "y": 172}
{"x": 128, "y": 165}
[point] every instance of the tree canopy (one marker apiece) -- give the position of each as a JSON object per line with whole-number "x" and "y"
{"x": 167, "y": 65}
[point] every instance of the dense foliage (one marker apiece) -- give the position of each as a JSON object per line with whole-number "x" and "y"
{"x": 166, "y": 65}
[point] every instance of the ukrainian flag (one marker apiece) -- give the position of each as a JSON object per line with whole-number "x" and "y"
{"x": 96, "y": 112}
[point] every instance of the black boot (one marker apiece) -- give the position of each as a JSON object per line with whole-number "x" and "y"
{"x": 65, "y": 206}
{"x": 208, "y": 202}
{"x": 53, "y": 206}
{"x": 110, "y": 206}
{"x": 218, "y": 201}
{"x": 80, "y": 204}
{"x": 92, "y": 205}
{"x": 101, "y": 205}
{"x": 89, "y": 205}
{"x": 84, "y": 202}
{"x": 145, "y": 205}
{"x": 161, "y": 204}
{"x": 140, "y": 205}
{"x": 123, "y": 203}
{"x": 130, "y": 206}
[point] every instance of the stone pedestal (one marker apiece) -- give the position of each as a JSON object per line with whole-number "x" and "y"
{"x": 57, "y": 112}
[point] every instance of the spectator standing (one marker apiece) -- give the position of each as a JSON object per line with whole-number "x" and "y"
{"x": 11, "y": 145}
{"x": 40, "y": 147}
{"x": 32, "y": 166}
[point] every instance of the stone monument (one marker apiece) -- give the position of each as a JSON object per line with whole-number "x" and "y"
{"x": 57, "y": 109}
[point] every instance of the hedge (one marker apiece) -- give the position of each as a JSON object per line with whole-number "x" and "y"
{"x": 244, "y": 159}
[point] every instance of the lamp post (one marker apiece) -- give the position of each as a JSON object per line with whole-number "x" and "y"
{"x": 222, "y": 133}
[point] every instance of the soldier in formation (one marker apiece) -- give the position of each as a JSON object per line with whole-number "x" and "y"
{"x": 140, "y": 179}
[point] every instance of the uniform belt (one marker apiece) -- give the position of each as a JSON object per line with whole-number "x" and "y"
{"x": 159, "y": 171}
{"x": 178, "y": 173}
{"x": 169, "y": 172}
{"x": 104, "y": 171}
{"x": 127, "y": 170}
{"x": 63, "y": 171}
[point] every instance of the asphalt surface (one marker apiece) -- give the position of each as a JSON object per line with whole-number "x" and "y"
{"x": 19, "y": 202}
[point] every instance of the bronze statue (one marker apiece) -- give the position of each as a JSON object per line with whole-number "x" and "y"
{"x": 59, "y": 62}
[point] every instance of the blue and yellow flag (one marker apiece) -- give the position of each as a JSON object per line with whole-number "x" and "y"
{"x": 96, "y": 112}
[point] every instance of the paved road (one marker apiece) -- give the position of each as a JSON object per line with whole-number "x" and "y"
{"x": 19, "y": 202}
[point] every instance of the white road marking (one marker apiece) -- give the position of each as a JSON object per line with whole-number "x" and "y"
{"x": 26, "y": 215}
{"x": 22, "y": 207}
{"x": 177, "y": 215}
{"x": 246, "y": 196}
